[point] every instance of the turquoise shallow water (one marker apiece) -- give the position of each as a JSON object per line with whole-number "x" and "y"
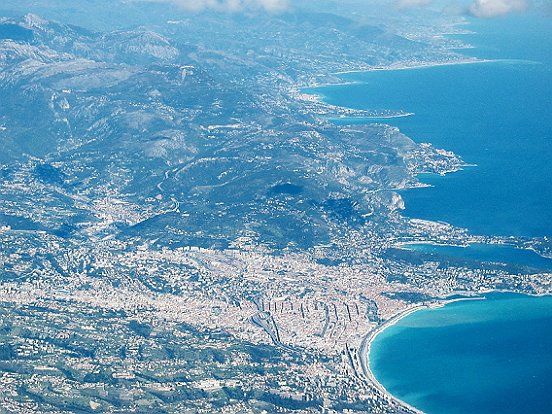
{"x": 492, "y": 356}
{"x": 488, "y": 356}
{"x": 495, "y": 115}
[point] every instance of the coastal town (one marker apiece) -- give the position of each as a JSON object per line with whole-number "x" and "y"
{"x": 320, "y": 319}
{"x": 193, "y": 233}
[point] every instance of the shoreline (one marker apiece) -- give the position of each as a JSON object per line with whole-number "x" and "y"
{"x": 403, "y": 66}
{"x": 364, "y": 354}
{"x": 417, "y": 66}
{"x": 298, "y": 91}
{"x": 368, "y": 339}
{"x": 500, "y": 244}
{"x": 374, "y": 117}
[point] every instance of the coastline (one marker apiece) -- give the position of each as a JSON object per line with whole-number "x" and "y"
{"x": 372, "y": 118}
{"x": 368, "y": 339}
{"x": 417, "y": 66}
{"x": 501, "y": 244}
{"x": 364, "y": 354}
{"x": 400, "y": 66}
{"x": 297, "y": 91}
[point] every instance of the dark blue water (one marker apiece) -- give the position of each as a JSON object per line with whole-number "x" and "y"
{"x": 491, "y": 356}
{"x": 495, "y": 115}
{"x": 477, "y": 357}
{"x": 496, "y": 253}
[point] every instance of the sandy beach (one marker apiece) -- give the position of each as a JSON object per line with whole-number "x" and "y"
{"x": 364, "y": 353}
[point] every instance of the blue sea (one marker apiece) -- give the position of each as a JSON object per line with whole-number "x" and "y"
{"x": 478, "y": 357}
{"x": 497, "y": 116}
{"x": 492, "y": 356}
